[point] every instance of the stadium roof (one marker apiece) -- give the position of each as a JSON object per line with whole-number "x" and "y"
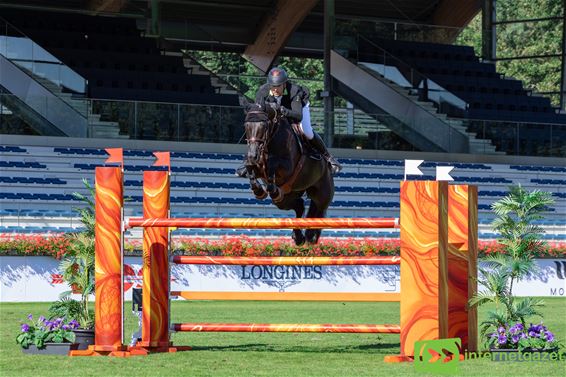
{"x": 235, "y": 25}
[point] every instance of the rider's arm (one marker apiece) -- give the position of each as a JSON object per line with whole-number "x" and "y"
{"x": 260, "y": 97}
{"x": 296, "y": 110}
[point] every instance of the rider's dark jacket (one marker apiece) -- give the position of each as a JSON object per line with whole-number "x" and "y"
{"x": 294, "y": 98}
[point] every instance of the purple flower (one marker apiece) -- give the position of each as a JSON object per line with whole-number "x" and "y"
{"x": 523, "y": 335}
{"x": 502, "y": 339}
{"x": 515, "y": 338}
{"x": 519, "y": 326}
{"x": 549, "y": 336}
{"x": 65, "y": 327}
{"x": 533, "y": 334}
{"x": 513, "y": 330}
{"x": 30, "y": 317}
{"x": 25, "y": 327}
{"x": 74, "y": 324}
{"x": 494, "y": 335}
{"x": 41, "y": 319}
{"x": 501, "y": 329}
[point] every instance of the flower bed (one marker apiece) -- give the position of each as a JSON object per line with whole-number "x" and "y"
{"x": 56, "y": 245}
{"x": 518, "y": 336}
{"x": 41, "y": 331}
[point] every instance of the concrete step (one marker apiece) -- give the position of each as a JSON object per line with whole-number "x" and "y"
{"x": 228, "y": 91}
{"x": 102, "y": 124}
{"x": 172, "y": 53}
{"x": 475, "y": 144}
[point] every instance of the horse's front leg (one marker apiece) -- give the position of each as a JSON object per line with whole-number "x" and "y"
{"x": 275, "y": 193}
{"x": 256, "y": 187}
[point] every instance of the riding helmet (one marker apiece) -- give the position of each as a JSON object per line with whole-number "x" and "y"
{"x": 277, "y": 76}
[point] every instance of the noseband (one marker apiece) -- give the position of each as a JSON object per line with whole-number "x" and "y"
{"x": 269, "y": 133}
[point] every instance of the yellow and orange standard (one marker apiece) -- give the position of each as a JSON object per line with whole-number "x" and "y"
{"x": 155, "y": 301}
{"x": 462, "y": 263}
{"x": 108, "y": 263}
{"x": 424, "y": 237}
{"x": 438, "y": 263}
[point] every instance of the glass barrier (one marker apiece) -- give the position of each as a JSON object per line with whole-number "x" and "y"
{"x": 353, "y": 128}
{"x": 12, "y": 122}
{"x": 166, "y": 121}
{"x": 36, "y": 61}
{"x": 522, "y": 138}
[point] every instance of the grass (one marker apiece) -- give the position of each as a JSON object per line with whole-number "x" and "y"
{"x": 268, "y": 354}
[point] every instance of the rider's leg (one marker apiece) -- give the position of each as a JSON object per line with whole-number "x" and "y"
{"x": 316, "y": 141}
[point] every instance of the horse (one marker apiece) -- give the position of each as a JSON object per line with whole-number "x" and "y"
{"x": 277, "y": 157}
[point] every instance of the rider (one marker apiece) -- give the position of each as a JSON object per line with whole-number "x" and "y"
{"x": 293, "y": 102}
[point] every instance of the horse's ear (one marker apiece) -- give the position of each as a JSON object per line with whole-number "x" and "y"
{"x": 271, "y": 112}
{"x": 250, "y": 106}
{"x": 244, "y": 103}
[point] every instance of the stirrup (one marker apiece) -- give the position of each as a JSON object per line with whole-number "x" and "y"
{"x": 335, "y": 166}
{"x": 335, "y": 169}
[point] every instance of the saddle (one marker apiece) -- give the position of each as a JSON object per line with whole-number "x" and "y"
{"x": 304, "y": 144}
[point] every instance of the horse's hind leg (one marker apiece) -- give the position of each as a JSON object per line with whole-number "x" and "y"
{"x": 312, "y": 235}
{"x": 299, "y": 208}
{"x": 321, "y": 195}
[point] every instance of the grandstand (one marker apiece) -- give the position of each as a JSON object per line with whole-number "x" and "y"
{"x": 76, "y": 78}
{"x": 37, "y": 183}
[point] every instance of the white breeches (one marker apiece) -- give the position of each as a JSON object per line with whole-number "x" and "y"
{"x": 306, "y": 122}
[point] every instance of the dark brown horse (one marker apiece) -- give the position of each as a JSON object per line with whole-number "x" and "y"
{"x": 277, "y": 158}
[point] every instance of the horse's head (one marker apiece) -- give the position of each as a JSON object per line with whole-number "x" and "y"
{"x": 257, "y": 132}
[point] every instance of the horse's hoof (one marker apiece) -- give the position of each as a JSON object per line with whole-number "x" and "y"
{"x": 278, "y": 196}
{"x": 312, "y": 236}
{"x": 298, "y": 237}
{"x": 261, "y": 195}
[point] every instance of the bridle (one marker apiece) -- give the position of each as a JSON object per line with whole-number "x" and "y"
{"x": 267, "y": 136}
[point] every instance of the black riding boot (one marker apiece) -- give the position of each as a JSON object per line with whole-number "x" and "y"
{"x": 318, "y": 144}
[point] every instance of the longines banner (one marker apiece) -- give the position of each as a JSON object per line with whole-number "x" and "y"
{"x": 27, "y": 279}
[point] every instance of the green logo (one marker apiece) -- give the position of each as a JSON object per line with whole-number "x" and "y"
{"x": 438, "y": 356}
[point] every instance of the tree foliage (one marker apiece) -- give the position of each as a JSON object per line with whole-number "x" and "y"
{"x": 244, "y": 76}
{"x": 525, "y": 39}
{"x": 514, "y": 39}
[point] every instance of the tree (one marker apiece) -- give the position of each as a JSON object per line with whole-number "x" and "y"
{"x": 525, "y": 39}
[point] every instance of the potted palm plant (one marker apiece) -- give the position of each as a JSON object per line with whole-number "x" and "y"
{"x": 77, "y": 269}
{"x": 506, "y": 326}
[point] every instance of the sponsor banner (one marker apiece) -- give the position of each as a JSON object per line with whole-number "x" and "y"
{"x": 28, "y": 279}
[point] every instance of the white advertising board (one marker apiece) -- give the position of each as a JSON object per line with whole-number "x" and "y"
{"x": 29, "y": 279}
